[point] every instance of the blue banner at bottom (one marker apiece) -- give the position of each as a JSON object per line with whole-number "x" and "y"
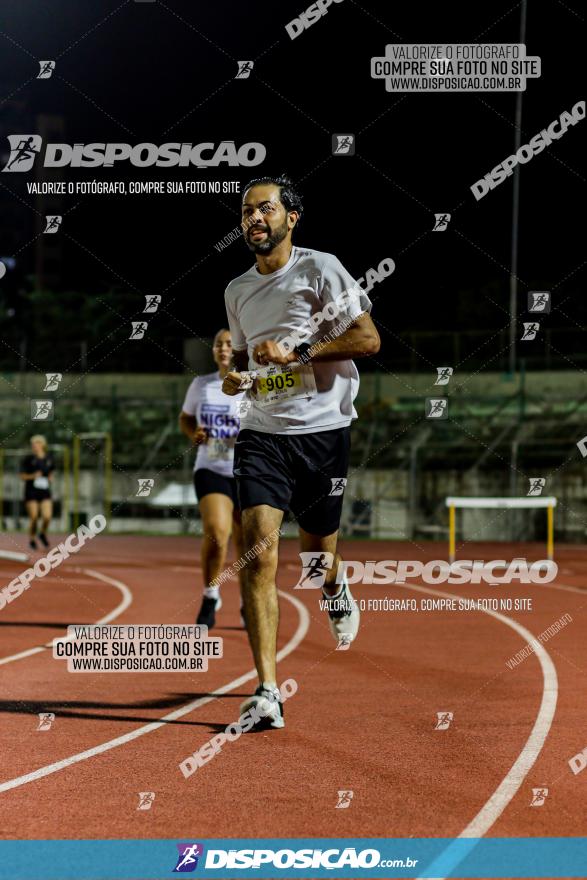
{"x": 531, "y": 857}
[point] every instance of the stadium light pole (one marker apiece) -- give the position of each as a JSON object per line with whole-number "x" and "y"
{"x": 516, "y": 211}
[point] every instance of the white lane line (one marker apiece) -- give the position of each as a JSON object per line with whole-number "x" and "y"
{"x": 566, "y": 587}
{"x": 511, "y": 783}
{"x": 297, "y": 638}
{"x": 122, "y": 606}
{"x": 13, "y": 556}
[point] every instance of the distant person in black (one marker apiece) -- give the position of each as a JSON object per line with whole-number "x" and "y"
{"x": 37, "y": 472}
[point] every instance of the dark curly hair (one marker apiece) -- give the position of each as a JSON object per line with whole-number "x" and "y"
{"x": 288, "y": 194}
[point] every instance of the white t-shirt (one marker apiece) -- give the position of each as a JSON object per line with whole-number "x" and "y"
{"x": 218, "y": 413}
{"x": 273, "y": 306}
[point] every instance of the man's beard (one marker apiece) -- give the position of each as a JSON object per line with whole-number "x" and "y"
{"x": 272, "y": 240}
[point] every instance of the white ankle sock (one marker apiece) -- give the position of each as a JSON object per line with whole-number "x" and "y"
{"x": 270, "y": 685}
{"x": 211, "y": 592}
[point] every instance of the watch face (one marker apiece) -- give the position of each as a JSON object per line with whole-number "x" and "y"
{"x": 302, "y": 350}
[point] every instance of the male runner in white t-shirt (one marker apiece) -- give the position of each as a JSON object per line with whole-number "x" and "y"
{"x": 293, "y": 447}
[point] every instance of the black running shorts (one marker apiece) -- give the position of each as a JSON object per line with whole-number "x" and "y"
{"x": 32, "y": 494}
{"x": 207, "y": 481}
{"x": 304, "y": 473}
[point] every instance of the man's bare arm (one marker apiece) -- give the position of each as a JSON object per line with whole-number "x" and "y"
{"x": 361, "y": 339}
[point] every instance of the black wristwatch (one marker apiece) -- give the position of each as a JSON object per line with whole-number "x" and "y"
{"x": 303, "y": 352}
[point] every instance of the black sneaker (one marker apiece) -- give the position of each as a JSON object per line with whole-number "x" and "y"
{"x": 207, "y": 614}
{"x": 43, "y": 539}
{"x": 267, "y": 702}
{"x": 33, "y": 544}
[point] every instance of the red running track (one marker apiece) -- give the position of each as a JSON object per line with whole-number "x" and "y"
{"x": 362, "y": 719}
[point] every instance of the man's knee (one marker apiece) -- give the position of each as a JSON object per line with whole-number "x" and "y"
{"x": 259, "y": 553}
{"x": 217, "y": 535}
{"x": 260, "y": 558}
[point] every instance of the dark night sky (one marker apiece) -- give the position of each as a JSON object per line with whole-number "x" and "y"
{"x": 164, "y": 71}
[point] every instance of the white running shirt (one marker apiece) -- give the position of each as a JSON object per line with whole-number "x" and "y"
{"x": 261, "y": 307}
{"x": 218, "y": 413}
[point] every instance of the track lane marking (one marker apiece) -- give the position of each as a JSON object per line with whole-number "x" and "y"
{"x": 112, "y": 615}
{"x": 512, "y": 781}
{"x": 297, "y": 638}
{"x": 566, "y": 587}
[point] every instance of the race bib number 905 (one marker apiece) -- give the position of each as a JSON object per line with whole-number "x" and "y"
{"x": 288, "y": 382}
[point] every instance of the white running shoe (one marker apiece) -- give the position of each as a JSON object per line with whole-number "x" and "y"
{"x": 344, "y": 616}
{"x": 266, "y": 703}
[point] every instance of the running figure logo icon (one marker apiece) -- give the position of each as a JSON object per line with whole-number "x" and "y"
{"x": 145, "y": 487}
{"x": 314, "y": 568}
{"x": 242, "y": 407}
{"x": 537, "y": 484}
{"x": 338, "y": 485}
{"x": 187, "y": 861}
{"x": 441, "y": 222}
{"x": 530, "y": 331}
{"x": 539, "y": 301}
{"x": 344, "y": 641}
{"x": 53, "y": 222}
{"x": 436, "y": 408}
{"x": 146, "y": 799}
{"x": 244, "y": 69}
{"x": 46, "y": 69}
{"x": 42, "y": 410}
{"x": 24, "y": 149}
{"x": 46, "y": 719}
{"x": 152, "y": 302}
{"x": 443, "y": 720}
{"x": 444, "y": 374}
{"x": 539, "y": 795}
{"x": 138, "y": 329}
{"x": 53, "y": 380}
{"x": 343, "y": 145}
{"x": 344, "y": 800}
